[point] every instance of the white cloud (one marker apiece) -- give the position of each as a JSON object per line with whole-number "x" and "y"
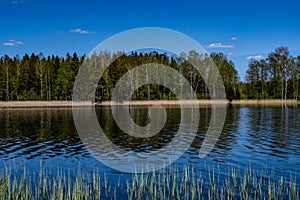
{"x": 80, "y": 31}
{"x": 12, "y": 43}
{"x": 230, "y": 54}
{"x": 257, "y": 57}
{"x": 219, "y": 46}
{"x": 17, "y": 1}
{"x": 233, "y": 38}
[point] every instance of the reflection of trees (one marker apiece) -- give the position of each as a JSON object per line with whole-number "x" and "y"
{"x": 140, "y": 116}
{"x": 227, "y": 139}
{"x": 43, "y": 132}
{"x": 31, "y": 133}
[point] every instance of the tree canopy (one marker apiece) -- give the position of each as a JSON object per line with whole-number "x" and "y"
{"x": 39, "y": 77}
{"x": 275, "y": 77}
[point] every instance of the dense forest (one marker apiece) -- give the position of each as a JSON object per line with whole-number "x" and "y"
{"x": 36, "y": 77}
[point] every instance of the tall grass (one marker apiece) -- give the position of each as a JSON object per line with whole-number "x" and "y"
{"x": 172, "y": 183}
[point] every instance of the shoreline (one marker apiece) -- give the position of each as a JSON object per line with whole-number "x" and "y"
{"x": 38, "y": 104}
{"x": 264, "y": 102}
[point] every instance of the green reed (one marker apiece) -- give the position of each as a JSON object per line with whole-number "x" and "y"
{"x": 171, "y": 183}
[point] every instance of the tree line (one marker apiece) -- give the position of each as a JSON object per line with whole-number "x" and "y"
{"x": 37, "y": 77}
{"x": 275, "y": 77}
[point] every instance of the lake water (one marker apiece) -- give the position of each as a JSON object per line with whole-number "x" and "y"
{"x": 260, "y": 137}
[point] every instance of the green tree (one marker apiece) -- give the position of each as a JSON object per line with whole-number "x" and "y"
{"x": 228, "y": 73}
{"x": 7, "y": 65}
{"x": 279, "y": 62}
{"x": 256, "y": 76}
{"x": 62, "y": 82}
{"x": 15, "y": 78}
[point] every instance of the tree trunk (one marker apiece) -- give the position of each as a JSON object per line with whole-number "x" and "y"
{"x": 41, "y": 79}
{"x": 7, "y": 84}
{"x": 148, "y": 88}
{"x": 285, "y": 92}
{"x": 191, "y": 83}
{"x": 281, "y": 88}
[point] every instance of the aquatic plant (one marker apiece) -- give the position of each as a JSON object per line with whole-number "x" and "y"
{"x": 170, "y": 183}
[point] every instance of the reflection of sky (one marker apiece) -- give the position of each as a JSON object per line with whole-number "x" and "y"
{"x": 265, "y": 137}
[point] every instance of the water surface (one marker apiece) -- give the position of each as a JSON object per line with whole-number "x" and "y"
{"x": 260, "y": 137}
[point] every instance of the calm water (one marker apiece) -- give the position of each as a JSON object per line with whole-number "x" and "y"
{"x": 260, "y": 137}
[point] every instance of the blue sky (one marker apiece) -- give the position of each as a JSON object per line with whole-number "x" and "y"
{"x": 239, "y": 29}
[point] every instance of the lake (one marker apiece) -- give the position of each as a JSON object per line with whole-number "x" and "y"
{"x": 260, "y": 138}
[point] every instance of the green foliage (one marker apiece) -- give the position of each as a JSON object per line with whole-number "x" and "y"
{"x": 276, "y": 77}
{"x": 229, "y": 75}
{"x": 36, "y": 77}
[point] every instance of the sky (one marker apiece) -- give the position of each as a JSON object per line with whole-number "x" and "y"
{"x": 240, "y": 29}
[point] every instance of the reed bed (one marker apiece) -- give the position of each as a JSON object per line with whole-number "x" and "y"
{"x": 172, "y": 183}
{"x": 265, "y": 102}
{"x": 39, "y": 104}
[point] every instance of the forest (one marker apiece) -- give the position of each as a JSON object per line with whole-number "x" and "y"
{"x": 39, "y": 77}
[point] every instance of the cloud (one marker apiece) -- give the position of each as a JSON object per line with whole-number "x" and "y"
{"x": 257, "y": 57}
{"x": 230, "y": 54}
{"x": 234, "y": 38}
{"x": 80, "y": 31}
{"x": 219, "y": 46}
{"x": 12, "y": 43}
{"x": 17, "y": 1}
